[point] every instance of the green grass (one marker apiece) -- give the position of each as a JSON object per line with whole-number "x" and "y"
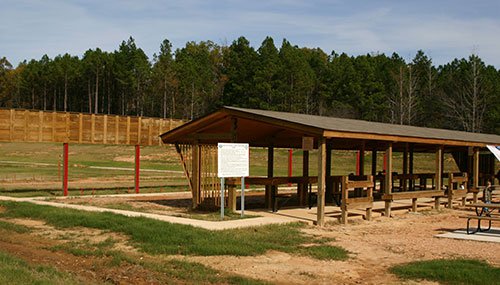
{"x": 13, "y": 227}
{"x": 16, "y": 271}
{"x": 450, "y": 271}
{"x": 196, "y": 273}
{"x": 326, "y": 252}
{"x": 156, "y": 237}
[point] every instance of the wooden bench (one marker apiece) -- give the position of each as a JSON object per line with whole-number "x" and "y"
{"x": 414, "y": 195}
{"x": 479, "y": 219}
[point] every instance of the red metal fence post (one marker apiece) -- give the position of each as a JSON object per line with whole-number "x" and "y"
{"x": 65, "y": 169}
{"x": 137, "y": 167}
{"x": 358, "y": 171}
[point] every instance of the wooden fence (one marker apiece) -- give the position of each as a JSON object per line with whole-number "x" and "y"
{"x": 40, "y": 126}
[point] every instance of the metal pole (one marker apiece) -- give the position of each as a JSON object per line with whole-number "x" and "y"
{"x": 137, "y": 167}
{"x": 242, "y": 196}
{"x": 222, "y": 198}
{"x": 65, "y": 169}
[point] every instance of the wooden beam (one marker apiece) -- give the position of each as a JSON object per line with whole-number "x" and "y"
{"x": 209, "y": 136}
{"x": 395, "y": 139}
{"x": 388, "y": 178}
{"x": 320, "y": 219}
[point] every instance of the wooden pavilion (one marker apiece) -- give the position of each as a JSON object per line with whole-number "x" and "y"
{"x": 196, "y": 144}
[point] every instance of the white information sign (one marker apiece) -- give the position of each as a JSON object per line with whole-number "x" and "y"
{"x": 495, "y": 149}
{"x": 233, "y": 159}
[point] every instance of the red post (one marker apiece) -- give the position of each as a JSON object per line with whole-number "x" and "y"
{"x": 290, "y": 162}
{"x": 357, "y": 164}
{"x": 137, "y": 166}
{"x": 65, "y": 169}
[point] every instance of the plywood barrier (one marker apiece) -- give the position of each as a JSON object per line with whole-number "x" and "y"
{"x": 39, "y": 126}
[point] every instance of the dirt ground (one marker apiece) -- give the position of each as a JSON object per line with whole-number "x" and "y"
{"x": 374, "y": 247}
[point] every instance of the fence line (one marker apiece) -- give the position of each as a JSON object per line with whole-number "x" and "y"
{"x": 39, "y": 126}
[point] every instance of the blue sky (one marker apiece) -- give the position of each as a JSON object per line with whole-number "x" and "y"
{"x": 443, "y": 29}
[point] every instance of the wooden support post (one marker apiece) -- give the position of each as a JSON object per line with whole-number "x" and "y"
{"x": 54, "y": 125}
{"x": 404, "y": 187}
{"x": 11, "y": 125}
{"x": 92, "y": 128}
{"x": 40, "y": 126}
{"x": 450, "y": 190}
{"x": 290, "y": 164}
{"x": 139, "y": 129}
{"x": 26, "y": 124}
{"x": 80, "y": 128}
{"x": 414, "y": 204}
{"x": 128, "y": 130}
{"x": 105, "y": 130}
{"x": 345, "y": 197}
{"x": 117, "y": 127}
{"x": 328, "y": 173}
{"x": 361, "y": 160}
{"x": 231, "y": 203}
{"x": 231, "y": 196}
{"x": 475, "y": 168}
{"x": 150, "y": 132}
{"x": 137, "y": 167}
{"x": 65, "y": 169}
{"x": 196, "y": 175}
{"x": 374, "y": 162}
{"x": 305, "y": 173}
{"x": 320, "y": 221}
{"x": 388, "y": 178}
{"x": 270, "y": 170}
{"x": 439, "y": 175}
{"x": 410, "y": 167}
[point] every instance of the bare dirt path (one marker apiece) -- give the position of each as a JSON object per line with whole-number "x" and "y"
{"x": 374, "y": 247}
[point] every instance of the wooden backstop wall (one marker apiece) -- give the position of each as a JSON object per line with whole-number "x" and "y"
{"x": 39, "y": 126}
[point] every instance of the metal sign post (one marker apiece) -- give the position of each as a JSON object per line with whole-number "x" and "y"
{"x": 232, "y": 161}
{"x": 222, "y": 197}
{"x": 242, "y": 196}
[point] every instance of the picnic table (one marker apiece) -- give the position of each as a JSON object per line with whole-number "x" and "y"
{"x": 484, "y": 211}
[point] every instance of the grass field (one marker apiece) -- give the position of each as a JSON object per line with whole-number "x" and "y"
{"x": 450, "y": 271}
{"x": 27, "y": 168}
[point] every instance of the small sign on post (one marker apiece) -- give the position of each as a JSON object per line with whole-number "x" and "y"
{"x": 232, "y": 161}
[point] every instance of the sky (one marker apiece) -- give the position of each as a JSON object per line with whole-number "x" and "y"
{"x": 443, "y": 29}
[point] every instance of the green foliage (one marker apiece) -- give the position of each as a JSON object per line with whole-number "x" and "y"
{"x": 201, "y": 76}
{"x": 16, "y": 271}
{"x": 158, "y": 237}
{"x": 13, "y": 227}
{"x": 449, "y": 271}
{"x": 326, "y": 252}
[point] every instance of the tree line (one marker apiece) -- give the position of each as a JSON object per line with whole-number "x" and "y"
{"x": 202, "y": 76}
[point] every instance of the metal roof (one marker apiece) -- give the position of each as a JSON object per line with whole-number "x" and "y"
{"x": 255, "y": 125}
{"x": 367, "y": 127}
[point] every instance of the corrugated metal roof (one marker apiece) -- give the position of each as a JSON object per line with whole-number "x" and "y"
{"x": 366, "y": 127}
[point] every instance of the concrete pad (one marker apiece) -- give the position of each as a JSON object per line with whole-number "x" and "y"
{"x": 492, "y": 235}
